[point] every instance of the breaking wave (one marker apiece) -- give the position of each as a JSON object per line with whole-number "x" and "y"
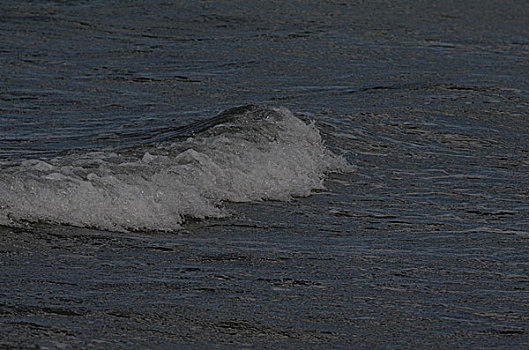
{"x": 244, "y": 154}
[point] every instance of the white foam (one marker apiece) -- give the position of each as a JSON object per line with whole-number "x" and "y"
{"x": 263, "y": 153}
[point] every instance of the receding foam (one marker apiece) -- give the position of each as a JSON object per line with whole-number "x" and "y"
{"x": 245, "y": 154}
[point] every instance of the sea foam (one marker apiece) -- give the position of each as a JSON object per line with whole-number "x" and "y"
{"x": 245, "y": 154}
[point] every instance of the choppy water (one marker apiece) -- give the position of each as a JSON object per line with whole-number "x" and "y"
{"x": 375, "y": 193}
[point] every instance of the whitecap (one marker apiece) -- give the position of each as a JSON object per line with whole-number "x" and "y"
{"x": 249, "y": 153}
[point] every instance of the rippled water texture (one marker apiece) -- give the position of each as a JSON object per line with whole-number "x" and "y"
{"x": 424, "y": 244}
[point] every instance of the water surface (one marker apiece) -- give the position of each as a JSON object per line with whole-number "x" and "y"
{"x": 422, "y": 242}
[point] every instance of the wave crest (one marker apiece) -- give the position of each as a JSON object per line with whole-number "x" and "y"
{"x": 248, "y": 153}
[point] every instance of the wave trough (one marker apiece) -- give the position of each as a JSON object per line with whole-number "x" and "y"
{"x": 244, "y": 154}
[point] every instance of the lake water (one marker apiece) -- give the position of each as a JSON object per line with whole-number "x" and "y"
{"x": 229, "y": 174}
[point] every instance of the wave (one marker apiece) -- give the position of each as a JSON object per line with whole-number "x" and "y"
{"x": 248, "y": 153}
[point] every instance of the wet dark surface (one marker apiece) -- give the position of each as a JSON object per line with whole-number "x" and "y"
{"x": 424, "y": 245}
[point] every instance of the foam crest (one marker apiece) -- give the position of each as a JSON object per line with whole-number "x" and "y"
{"x": 245, "y": 154}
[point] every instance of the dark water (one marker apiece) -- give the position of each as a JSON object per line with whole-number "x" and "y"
{"x": 425, "y": 244}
